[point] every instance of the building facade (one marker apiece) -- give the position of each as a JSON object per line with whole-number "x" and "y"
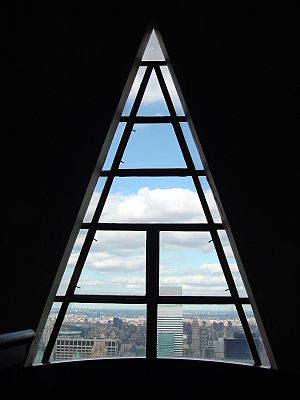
{"x": 170, "y": 325}
{"x": 68, "y": 348}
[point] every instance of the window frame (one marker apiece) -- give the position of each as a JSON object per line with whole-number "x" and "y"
{"x": 152, "y": 298}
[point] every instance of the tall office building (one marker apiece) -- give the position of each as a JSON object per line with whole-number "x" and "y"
{"x": 170, "y": 325}
{"x": 203, "y": 338}
{"x": 219, "y": 348}
{"x": 195, "y": 338}
{"x": 237, "y": 348}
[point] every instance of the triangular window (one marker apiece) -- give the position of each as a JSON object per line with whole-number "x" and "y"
{"x": 152, "y": 272}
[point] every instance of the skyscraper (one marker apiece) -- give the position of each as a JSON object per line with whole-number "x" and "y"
{"x": 170, "y": 325}
{"x": 237, "y": 348}
{"x": 203, "y": 338}
{"x": 195, "y": 338}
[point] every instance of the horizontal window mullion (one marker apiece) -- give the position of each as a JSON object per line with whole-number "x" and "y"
{"x": 120, "y": 299}
{"x": 154, "y": 172}
{"x": 145, "y": 119}
{"x": 200, "y": 300}
{"x": 192, "y": 227}
{"x": 152, "y": 63}
{"x": 95, "y": 298}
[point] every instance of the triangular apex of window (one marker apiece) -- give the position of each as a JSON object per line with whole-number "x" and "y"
{"x": 153, "y": 102}
{"x": 153, "y": 50}
{"x": 152, "y": 209}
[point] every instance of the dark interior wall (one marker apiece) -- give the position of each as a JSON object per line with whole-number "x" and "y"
{"x": 174, "y": 379}
{"x": 67, "y": 73}
{"x": 237, "y": 70}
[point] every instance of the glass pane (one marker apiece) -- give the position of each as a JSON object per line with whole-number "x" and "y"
{"x": 95, "y": 199}
{"x": 189, "y": 260}
{"x": 153, "y": 51}
{"x": 256, "y": 335}
{"x": 153, "y": 102}
{"x": 232, "y": 264}
{"x": 47, "y": 333}
{"x": 172, "y": 90}
{"x": 114, "y": 146}
{"x": 210, "y": 199}
{"x": 153, "y": 200}
{"x": 133, "y": 92}
{"x": 115, "y": 264}
{"x": 101, "y": 331}
{"x": 153, "y": 146}
{"x": 191, "y": 145}
{"x": 72, "y": 262}
{"x": 212, "y": 332}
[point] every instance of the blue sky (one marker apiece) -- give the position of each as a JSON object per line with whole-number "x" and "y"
{"x": 153, "y": 146}
{"x": 116, "y": 262}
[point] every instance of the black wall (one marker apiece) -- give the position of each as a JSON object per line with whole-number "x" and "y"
{"x": 66, "y": 75}
{"x": 137, "y": 378}
{"x": 238, "y": 70}
{"x": 238, "y": 73}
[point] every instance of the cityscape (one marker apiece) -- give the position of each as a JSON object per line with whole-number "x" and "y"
{"x": 183, "y": 331}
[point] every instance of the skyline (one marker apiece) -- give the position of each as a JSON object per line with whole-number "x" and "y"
{"x": 122, "y": 332}
{"x": 216, "y": 309}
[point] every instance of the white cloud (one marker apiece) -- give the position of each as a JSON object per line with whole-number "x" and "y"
{"x": 108, "y": 262}
{"x": 133, "y": 286}
{"x": 198, "y": 284}
{"x": 121, "y": 243}
{"x": 156, "y": 205}
{"x": 194, "y": 280}
{"x": 180, "y": 241}
{"x": 131, "y": 281}
{"x": 111, "y": 286}
{"x": 117, "y": 254}
{"x": 205, "y": 290}
{"x": 211, "y": 268}
{"x": 165, "y": 270}
{"x": 90, "y": 282}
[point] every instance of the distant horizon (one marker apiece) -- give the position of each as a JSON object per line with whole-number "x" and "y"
{"x": 228, "y": 309}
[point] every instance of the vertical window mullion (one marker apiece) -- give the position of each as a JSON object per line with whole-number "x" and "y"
{"x": 58, "y": 323}
{"x": 152, "y": 290}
